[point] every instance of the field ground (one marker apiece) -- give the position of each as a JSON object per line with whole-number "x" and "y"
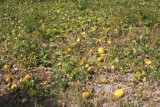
{"x": 53, "y": 51}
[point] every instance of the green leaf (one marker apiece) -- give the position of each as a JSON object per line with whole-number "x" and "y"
{"x": 31, "y": 92}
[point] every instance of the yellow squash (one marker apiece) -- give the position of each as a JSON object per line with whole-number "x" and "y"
{"x": 85, "y": 94}
{"x": 100, "y": 59}
{"x": 14, "y": 87}
{"x": 101, "y": 50}
{"x": 119, "y": 93}
{"x": 69, "y": 49}
{"x": 5, "y": 66}
{"x": 147, "y": 61}
{"x": 23, "y": 101}
{"x": 27, "y": 76}
{"x": 109, "y": 42}
{"x": 8, "y": 79}
{"x": 104, "y": 80}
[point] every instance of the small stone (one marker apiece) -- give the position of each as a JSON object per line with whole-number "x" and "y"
{"x": 107, "y": 88}
{"x": 16, "y": 69}
{"x": 156, "y": 94}
{"x": 97, "y": 89}
{"x": 48, "y": 72}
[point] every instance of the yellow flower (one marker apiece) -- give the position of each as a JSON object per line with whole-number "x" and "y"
{"x": 44, "y": 82}
{"x": 134, "y": 50}
{"x": 89, "y": 69}
{"x": 14, "y": 87}
{"x": 100, "y": 59}
{"x": 69, "y": 49}
{"x": 115, "y": 30}
{"x": 138, "y": 74}
{"x": 119, "y": 93}
{"x": 104, "y": 28}
{"x": 99, "y": 19}
{"x": 8, "y": 79}
{"x": 21, "y": 80}
{"x": 85, "y": 94}
{"x": 8, "y": 43}
{"x": 147, "y": 61}
{"x": 58, "y": 10}
{"x": 143, "y": 73}
{"x": 104, "y": 80}
{"x": 90, "y": 51}
{"x": 23, "y": 101}
{"x": 78, "y": 40}
{"x": 99, "y": 41}
{"x": 27, "y": 76}
{"x": 144, "y": 79}
{"x": 44, "y": 45}
{"x": 83, "y": 33}
{"x": 87, "y": 65}
{"x": 5, "y": 66}
{"x": 109, "y": 42}
{"x": 101, "y": 50}
{"x": 108, "y": 29}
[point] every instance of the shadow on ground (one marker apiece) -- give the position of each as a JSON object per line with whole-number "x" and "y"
{"x": 15, "y": 100}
